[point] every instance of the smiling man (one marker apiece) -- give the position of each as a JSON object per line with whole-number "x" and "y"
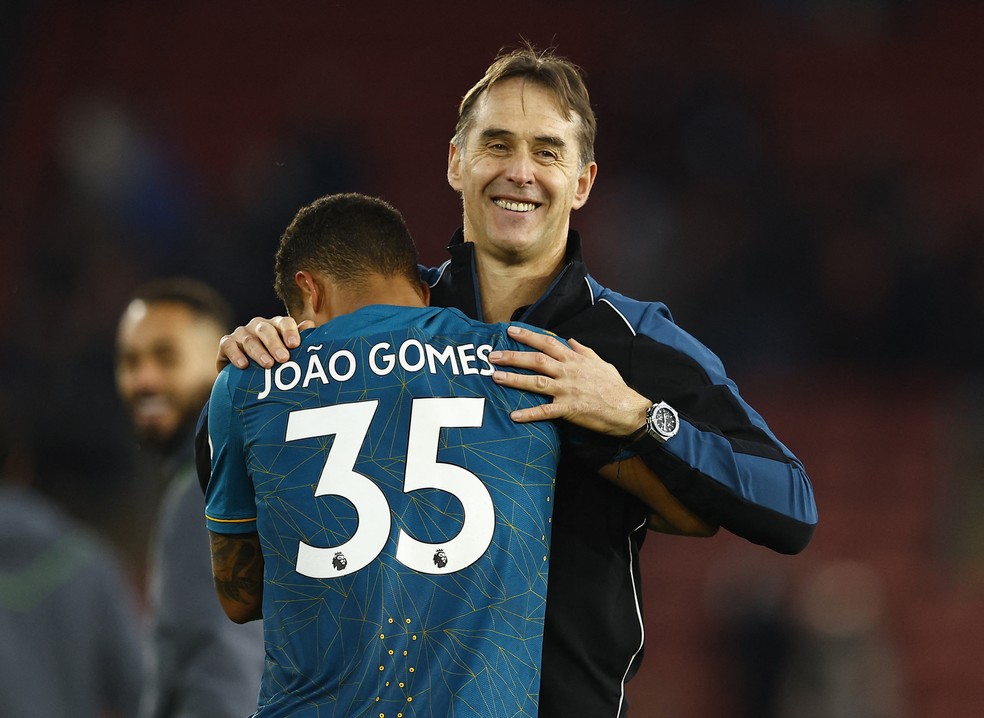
{"x": 199, "y": 663}
{"x": 522, "y": 159}
{"x": 516, "y": 163}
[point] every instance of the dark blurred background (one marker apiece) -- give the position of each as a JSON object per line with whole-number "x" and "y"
{"x": 801, "y": 181}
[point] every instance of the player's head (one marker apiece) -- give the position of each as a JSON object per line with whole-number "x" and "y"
{"x": 359, "y": 243}
{"x": 165, "y": 355}
{"x": 522, "y": 156}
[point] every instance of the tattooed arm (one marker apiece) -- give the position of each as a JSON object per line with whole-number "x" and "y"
{"x": 237, "y": 568}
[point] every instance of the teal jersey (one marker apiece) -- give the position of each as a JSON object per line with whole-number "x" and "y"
{"x": 404, "y": 518}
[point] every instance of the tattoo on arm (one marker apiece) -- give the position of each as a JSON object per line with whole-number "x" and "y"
{"x": 237, "y": 567}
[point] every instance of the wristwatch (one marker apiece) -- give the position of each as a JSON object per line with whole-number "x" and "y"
{"x": 662, "y": 421}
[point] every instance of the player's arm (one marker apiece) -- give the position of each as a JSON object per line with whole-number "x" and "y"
{"x": 667, "y": 514}
{"x": 237, "y": 569}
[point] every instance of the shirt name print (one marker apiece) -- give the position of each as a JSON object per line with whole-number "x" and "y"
{"x": 382, "y": 358}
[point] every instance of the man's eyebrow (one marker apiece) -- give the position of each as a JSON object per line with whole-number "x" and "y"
{"x": 551, "y": 140}
{"x": 492, "y": 133}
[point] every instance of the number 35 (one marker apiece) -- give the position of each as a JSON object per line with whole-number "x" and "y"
{"x": 349, "y": 423}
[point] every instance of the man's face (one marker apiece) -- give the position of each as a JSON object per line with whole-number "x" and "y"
{"x": 518, "y": 173}
{"x": 165, "y": 367}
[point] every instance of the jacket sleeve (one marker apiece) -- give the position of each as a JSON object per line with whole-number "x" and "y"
{"x": 725, "y": 463}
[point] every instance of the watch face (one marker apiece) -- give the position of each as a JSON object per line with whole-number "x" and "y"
{"x": 662, "y": 421}
{"x": 665, "y": 420}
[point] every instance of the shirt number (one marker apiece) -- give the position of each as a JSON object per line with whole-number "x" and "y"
{"x": 350, "y": 423}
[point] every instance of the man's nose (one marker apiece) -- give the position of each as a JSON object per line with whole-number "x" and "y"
{"x": 521, "y": 169}
{"x": 145, "y": 375}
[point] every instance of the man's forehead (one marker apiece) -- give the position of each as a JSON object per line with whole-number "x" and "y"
{"x": 515, "y": 103}
{"x": 150, "y": 321}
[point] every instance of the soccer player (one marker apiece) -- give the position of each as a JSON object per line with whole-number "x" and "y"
{"x": 199, "y": 664}
{"x": 372, "y": 500}
{"x": 522, "y": 160}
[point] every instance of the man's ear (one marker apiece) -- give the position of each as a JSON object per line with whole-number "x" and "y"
{"x": 454, "y": 167}
{"x": 312, "y": 293}
{"x": 425, "y": 292}
{"x": 584, "y": 184}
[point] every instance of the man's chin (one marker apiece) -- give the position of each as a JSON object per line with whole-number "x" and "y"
{"x": 158, "y": 437}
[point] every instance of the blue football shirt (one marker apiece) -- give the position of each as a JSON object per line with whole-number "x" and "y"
{"x": 404, "y": 518}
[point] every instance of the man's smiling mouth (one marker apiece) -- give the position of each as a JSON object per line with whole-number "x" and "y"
{"x": 514, "y": 206}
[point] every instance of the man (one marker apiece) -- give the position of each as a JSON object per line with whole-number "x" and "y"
{"x": 199, "y": 664}
{"x": 522, "y": 159}
{"x": 371, "y": 499}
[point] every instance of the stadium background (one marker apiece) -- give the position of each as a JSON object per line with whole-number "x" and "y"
{"x": 801, "y": 181}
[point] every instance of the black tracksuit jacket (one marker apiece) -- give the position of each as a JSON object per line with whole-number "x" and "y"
{"x": 724, "y": 464}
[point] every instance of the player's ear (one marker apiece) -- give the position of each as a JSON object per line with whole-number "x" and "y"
{"x": 425, "y": 293}
{"x": 454, "y": 167}
{"x": 312, "y": 295}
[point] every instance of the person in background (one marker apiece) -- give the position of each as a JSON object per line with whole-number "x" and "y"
{"x": 199, "y": 665}
{"x": 522, "y": 160}
{"x": 69, "y": 625}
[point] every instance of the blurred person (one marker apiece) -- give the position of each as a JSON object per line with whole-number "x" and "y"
{"x": 372, "y": 500}
{"x": 70, "y": 630}
{"x": 843, "y": 663}
{"x": 198, "y": 663}
{"x": 522, "y": 160}
{"x": 747, "y": 596}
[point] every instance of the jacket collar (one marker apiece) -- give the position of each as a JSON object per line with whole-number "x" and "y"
{"x": 567, "y": 295}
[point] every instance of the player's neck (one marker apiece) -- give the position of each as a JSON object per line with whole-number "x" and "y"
{"x": 377, "y": 290}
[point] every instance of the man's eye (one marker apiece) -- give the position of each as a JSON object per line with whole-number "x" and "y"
{"x": 166, "y": 359}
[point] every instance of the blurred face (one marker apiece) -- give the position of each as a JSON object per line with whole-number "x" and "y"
{"x": 165, "y": 367}
{"x": 518, "y": 173}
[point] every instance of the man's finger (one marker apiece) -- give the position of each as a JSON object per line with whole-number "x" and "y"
{"x": 229, "y": 353}
{"x": 541, "y": 412}
{"x": 534, "y": 361}
{"x": 288, "y": 331}
{"x": 255, "y": 350}
{"x": 545, "y": 343}
{"x": 271, "y": 340}
{"x": 580, "y": 348}
{"x": 524, "y": 382}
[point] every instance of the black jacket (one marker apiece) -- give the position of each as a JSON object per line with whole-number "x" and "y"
{"x": 724, "y": 464}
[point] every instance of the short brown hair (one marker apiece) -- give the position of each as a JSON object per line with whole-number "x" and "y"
{"x": 557, "y": 74}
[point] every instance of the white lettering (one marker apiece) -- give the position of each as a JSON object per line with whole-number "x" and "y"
{"x": 483, "y": 356}
{"x": 421, "y": 358}
{"x": 278, "y": 376}
{"x": 315, "y": 370}
{"x": 412, "y": 355}
{"x": 442, "y": 356}
{"x": 266, "y": 385}
{"x": 388, "y": 360}
{"x": 333, "y": 365}
{"x": 466, "y": 359}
